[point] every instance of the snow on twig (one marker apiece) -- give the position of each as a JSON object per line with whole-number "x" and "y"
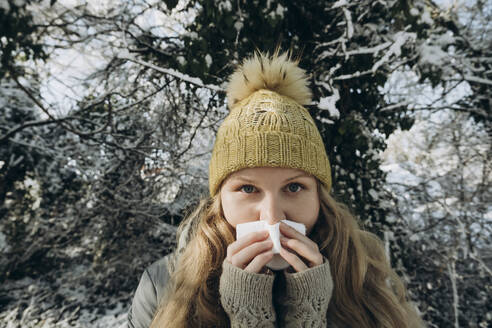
{"x": 393, "y": 106}
{"x": 452, "y": 276}
{"x": 339, "y": 3}
{"x": 328, "y": 103}
{"x": 351, "y": 76}
{"x": 348, "y": 19}
{"x": 401, "y": 38}
{"x": 477, "y": 79}
{"x": 181, "y": 76}
{"x": 372, "y": 50}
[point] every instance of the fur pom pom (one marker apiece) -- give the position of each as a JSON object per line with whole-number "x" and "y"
{"x": 277, "y": 73}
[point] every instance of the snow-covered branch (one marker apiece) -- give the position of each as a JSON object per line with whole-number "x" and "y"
{"x": 400, "y": 39}
{"x": 476, "y": 79}
{"x": 172, "y": 72}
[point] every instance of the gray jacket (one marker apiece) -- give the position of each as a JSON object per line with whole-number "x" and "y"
{"x": 153, "y": 282}
{"x": 148, "y": 293}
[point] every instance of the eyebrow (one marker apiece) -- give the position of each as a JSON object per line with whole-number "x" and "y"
{"x": 248, "y": 180}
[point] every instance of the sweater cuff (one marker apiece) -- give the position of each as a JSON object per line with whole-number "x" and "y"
{"x": 245, "y": 288}
{"x": 313, "y": 283}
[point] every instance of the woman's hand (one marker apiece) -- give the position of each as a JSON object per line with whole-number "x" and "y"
{"x": 251, "y": 252}
{"x": 302, "y": 245}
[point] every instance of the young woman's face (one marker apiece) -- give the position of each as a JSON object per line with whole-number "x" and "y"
{"x": 270, "y": 194}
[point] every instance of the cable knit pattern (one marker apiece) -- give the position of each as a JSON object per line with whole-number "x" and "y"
{"x": 306, "y": 298}
{"x": 246, "y": 297}
{"x": 303, "y": 302}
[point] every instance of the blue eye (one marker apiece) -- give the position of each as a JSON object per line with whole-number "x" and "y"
{"x": 295, "y": 189}
{"x": 247, "y": 187}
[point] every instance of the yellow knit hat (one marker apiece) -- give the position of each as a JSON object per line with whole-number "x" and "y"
{"x": 267, "y": 124}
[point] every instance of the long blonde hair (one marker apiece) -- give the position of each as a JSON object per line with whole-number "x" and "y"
{"x": 367, "y": 292}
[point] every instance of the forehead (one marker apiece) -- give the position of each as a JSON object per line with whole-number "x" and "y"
{"x": 271, "y": 173}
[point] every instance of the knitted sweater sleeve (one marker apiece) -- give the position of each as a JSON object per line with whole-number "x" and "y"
{"x": 307, "y": 294}
{"x": 247, "y": 297}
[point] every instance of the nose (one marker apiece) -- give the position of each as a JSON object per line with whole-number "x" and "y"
{"x": 271, "y": 209}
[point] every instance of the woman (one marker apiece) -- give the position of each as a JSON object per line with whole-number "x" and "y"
{"x": 269, "y": 163}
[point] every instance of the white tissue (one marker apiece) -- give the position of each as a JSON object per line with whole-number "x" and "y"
{"x": 274, "y": 231}
{"x": 277, "y": 263}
